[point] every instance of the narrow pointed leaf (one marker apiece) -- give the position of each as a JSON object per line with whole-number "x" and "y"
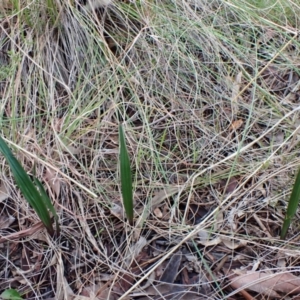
{"x": 126, "y": 177}
{"x": 292, "y": 207}
{"x": 27, "y": 187}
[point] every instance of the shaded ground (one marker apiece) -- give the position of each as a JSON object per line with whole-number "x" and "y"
{"x": 208, "y": 93}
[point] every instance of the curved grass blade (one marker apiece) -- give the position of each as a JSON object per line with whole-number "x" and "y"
{"x": 126, "y": 177}
{"x": 34, "y": 197}
{"x": 292, "y": 207}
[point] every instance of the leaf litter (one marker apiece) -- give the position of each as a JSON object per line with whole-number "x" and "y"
{"x": 4, "y": 193}
{"x": 267, "y": 283}
{"x": 53, "y": 181}
{"x": 6, "y": 220}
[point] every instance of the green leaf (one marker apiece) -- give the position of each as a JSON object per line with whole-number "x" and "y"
{"x": 292, "y": 207}
{"x": 11, "y": 294}
{"x": 47, "y": 202}
{"x": 39, "y": 200}
{"x": 126, "y": 177}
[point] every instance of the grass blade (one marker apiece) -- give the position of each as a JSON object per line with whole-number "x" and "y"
{"x": 34, "y": 197}
{"x": 126, "y": 177}
{"x": 292, "y": 207}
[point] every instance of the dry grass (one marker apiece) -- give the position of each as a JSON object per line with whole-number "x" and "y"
{"x": 208, "y": 92}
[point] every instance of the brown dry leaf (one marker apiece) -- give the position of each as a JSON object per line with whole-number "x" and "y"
{"x": 89, "y": 291}
{"x": 205, "y": 239}
{"x": 235, "y": 125}
{"x": 3, "y": 192}
{"x": 156, "y": 201}
{"x": 134, "y": 80}
{"x": 117, "y": 210}
{"x": 192, "y": 264}
{"x": 171, "y": 271}
{"x": 233, "y": 243}
{"x": 6, "y": 220}
{"x": 228, "y": 186}
{"x": 23, "y": 233}
{"x": 236, "y": 86}
{"x": 261, "y": 225}
{"x": 73, "y": 149}
{"x": 106, "y": 294}
{"x": 104, "y": 291}
{"x": 135, "y": 250}
{"x": 160, "y": 197}
{"x": 53, "y": 181}
{"x": 279, "y": 137}
{"x": 219, "y": 220}
{"x": 63, "y": 290}
{"x": 232, "y": 185}
{"x": 57, "y": 124}
{"x": 275, "y": 78}
{"x": 79, "y": 297}
{"x": 158, "y": 213}
{"x": 267, "y": 284}
{"x": 125, "y": 280}
{"x": 281, "y": 263}
{"x": 168, "y": 291}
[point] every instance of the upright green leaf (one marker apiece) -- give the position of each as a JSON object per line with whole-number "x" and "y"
{"x": 38, "y": 199}
{"x": 126, "y": 177}
{"x": 292, "y": 207}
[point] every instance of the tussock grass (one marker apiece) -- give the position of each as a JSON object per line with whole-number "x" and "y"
{"x": 209, "y": 94}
